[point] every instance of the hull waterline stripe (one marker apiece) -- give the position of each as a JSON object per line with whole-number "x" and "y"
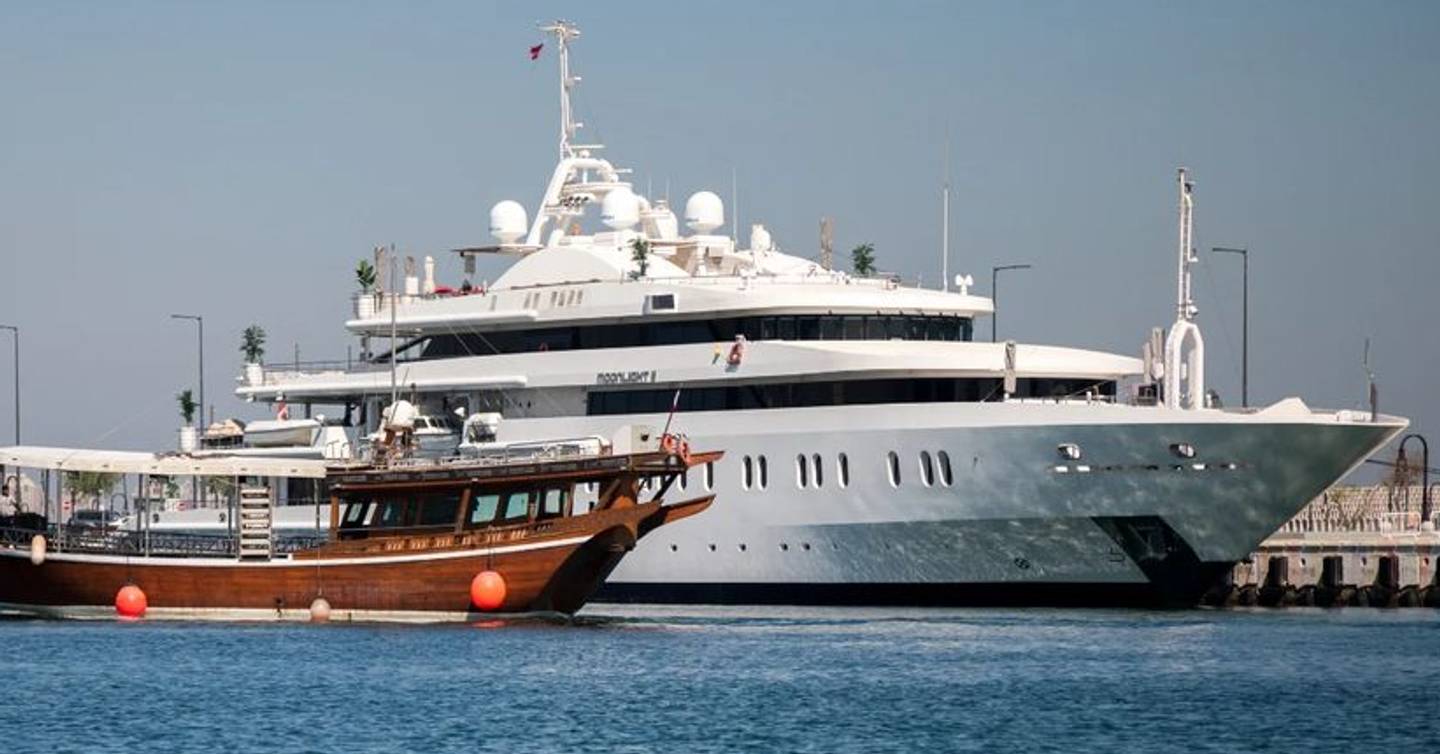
{"x": 179, "y": 562}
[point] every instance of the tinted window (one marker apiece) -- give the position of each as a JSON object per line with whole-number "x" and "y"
{"x": 483, "y": 507}
{"x": 517, "y": 506}
{"x": 835, "y": 393}
{"x": 437, "y": 509}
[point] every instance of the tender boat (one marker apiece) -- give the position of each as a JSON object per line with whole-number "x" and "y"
{"x": 407, "y": 538}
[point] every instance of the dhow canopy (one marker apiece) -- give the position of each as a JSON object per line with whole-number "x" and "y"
{"x": 159, "y": 464}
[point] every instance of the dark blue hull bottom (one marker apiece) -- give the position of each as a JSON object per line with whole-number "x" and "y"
{"x": 1174, "y": 595}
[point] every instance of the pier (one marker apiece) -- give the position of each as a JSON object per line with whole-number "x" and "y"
{"x": 1353, "y": 546}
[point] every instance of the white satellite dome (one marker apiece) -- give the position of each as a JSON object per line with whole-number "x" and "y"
{"x": 704, "y": 212}
{"x": 507, "y": 221}
{"x": 620, "y": 209}
{"x": 400, "y": 416}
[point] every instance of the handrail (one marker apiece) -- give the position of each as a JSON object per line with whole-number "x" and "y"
{"x": 97, "y": 541}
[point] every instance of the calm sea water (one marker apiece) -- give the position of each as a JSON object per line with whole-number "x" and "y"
{"x": 769, "y": 679}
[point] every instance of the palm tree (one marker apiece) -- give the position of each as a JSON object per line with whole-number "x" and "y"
{"x": 91, "y": 485}
{"x": 862, "y": 259}
{"x": 252, "y": 344}
{"x": 640, "y": 255}
{"x": 187, "y": 405}
{"x": 365, "y": 275}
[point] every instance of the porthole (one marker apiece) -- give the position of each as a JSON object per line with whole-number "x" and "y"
{"x": 764, "y": 472}
{"x": 674, "y": 548}
{"x": 893, "y": 461}
{"x": 712, "y": 547}
{"x": 842, "y": 468}
{"x": 817, "y": 471}
{"x": 784, "y": 547}
{"x": 947, "y": 476}
{"x": 927, "y": 469}
{"x": 709, "y": 476}
{"x": 741, "y": 547}
{"x": 747, "y": 473}
{"x": 805, "y": 546}
{"x": 1183, "y": 450}
{"x": 802, "y": 472}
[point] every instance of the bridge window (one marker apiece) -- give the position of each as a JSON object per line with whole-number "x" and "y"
{"x": 633, "y": 334}
{"x": 834, "y": 393}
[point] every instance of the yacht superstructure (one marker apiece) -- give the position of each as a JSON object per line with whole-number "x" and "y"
{"x": 874, "y": 452}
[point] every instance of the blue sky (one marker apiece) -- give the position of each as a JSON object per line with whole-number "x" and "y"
{"x": 235, "y": 160}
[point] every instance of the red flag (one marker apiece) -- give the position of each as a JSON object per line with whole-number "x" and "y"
{"x": 535, "y": 51}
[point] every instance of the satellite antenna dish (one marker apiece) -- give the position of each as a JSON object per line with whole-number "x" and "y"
{"x": 963, "y": 282}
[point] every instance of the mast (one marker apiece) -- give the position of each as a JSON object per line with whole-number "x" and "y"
{"x": 564, "y": 31}
{"x": 945, "y": 224}
{"x": 1184, "y": 375}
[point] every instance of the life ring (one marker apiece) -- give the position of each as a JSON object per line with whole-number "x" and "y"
{"x": 737, "y": 352}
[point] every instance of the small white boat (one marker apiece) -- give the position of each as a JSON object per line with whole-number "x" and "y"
{"x": 276, "y": 433}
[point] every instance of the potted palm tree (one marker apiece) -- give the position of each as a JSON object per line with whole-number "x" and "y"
{"x": 189, "y": 436}
{"x": 365, "y": 303}
{"x": 862, "y": 260}
{"x": 252, "y": 344}
{"x": 640, "y": 255}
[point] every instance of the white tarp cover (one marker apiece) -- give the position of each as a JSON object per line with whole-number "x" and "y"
{"x": 161, "y": 464}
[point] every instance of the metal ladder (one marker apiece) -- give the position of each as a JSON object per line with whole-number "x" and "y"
{"x": 256, "y": 523}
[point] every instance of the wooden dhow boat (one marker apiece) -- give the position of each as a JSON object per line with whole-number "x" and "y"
{"x": 399, "y": 539}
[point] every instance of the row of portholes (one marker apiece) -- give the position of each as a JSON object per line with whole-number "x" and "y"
{"x": 742, "y": 547}
{"x": 929, "y": 466}
{"x": 810, "y": 472}
{"x": 557, "y": 298}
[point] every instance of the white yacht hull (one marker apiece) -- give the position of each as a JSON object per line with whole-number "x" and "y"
{"x": 1130, "y": 522}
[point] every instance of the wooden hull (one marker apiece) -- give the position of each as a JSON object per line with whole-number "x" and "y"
{"x": 554, "y": 572}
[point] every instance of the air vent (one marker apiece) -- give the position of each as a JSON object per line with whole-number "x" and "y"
{"x": 660, "y": 302}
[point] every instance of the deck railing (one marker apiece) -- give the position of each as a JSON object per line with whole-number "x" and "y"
{"x": 100, "y": 541}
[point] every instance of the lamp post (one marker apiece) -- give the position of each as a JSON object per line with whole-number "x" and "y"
{"x": 1425, "y": 509}
{"x": 1244, "y": 322}
{"x": 995, "y": 294}
{"x": 200, "y": 321}
{"x": 16, "y": 332}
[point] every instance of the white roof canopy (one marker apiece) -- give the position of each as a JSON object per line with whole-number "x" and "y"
{"x": 160, "y": 464}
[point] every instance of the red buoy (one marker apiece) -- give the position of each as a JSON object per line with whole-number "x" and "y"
{"x": 130, "y": 602}
{"x": 487, "y": 590}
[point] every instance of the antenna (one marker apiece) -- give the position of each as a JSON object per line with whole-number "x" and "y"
{"x": 734, "y": 207}
{"x": 827, "y": 243}
{"x": 564, "y": 31}
{"x": 1374, "y": 392}
{"x": 945, "y": 224}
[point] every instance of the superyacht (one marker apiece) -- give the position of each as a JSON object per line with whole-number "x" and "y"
{"x": 875, "y": 453}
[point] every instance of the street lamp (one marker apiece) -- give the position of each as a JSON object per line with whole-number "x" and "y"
{"x": 1244, "y": 322}
{"x": 199, "y": 320}
{"x": 995, "y": 295}
{"x": 16, "y": 332}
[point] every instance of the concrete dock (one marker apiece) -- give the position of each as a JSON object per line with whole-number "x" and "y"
{"x": 1360, "y": 546}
